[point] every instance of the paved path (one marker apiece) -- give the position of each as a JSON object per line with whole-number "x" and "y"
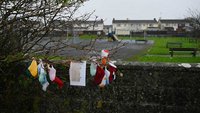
{"x": 129, "y": 49}
{"x": 126, "y": 48}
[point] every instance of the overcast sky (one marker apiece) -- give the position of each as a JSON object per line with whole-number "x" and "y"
{"x": 139, "y": 9}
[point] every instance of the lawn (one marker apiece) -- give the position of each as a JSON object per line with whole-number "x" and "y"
{"x": 159, "y": 53}
{"x": 159, "y": 47}
{"x": 88, "y": 36}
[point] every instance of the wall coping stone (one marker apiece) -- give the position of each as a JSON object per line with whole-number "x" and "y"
{"x": 147, "y": 64}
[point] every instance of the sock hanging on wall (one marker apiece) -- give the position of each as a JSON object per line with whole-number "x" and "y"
{"x": 93, "y": 69}
{"x": 99, "y": 75}
{"x": 33, "y": 69}
{"x": 112, "y": 69}
{"x": 59, "y": 82}
{"x": 42, "y": 76}
{"x": 53, "y": 78}
{"x": 52, "y": 72}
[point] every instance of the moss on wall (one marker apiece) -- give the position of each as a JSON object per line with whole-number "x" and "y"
{"x": 145, "y": 88}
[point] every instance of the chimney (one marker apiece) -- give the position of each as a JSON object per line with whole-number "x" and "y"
{"x": 155, "y": 19}
{"x": 113, "y": 20}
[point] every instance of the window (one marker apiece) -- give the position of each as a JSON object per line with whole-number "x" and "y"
{"x": 118, "y": 25}
{"x": 96, "y": 25}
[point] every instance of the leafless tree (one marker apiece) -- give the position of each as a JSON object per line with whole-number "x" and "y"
{"x": 194, "y": 18}
{"x": 26, "y": 27}
{"x": 25, "y": 23}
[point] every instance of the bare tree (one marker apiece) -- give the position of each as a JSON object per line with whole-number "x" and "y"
{"x": 26, "y": 27}
{"x": 195, "y": 22}
{"x": 24, "y": 23}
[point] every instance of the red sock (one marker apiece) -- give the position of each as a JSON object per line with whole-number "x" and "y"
{"x": 59, "y": 82}
{"x": 99, "y": 75}
{"x": 112, "y": 70}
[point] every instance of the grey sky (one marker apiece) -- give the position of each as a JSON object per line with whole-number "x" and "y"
{"x": 139, "y": 9}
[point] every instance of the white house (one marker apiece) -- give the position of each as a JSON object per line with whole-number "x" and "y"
{"x": 125, "y": 27}
{"x": 90, "y": 26}
{"x": 78, "y": 27}
{"x": 174, "y": 24}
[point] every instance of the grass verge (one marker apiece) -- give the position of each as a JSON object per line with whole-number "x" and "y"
{"x": 159, "y": 53}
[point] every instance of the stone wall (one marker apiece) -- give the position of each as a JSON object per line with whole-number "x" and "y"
{"x": 144, "y": 88}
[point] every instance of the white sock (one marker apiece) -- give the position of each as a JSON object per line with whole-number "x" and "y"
{"x": 44, "y": 86}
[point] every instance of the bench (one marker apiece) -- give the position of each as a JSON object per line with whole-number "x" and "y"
{"x": 174, "y": 44}
{"x": 145, "y": 41}
{"x": 193, "y": 50}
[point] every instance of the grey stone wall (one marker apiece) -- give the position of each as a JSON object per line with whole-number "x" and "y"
{"x": 166, "y": 88}
{"x": 144, "y": 88}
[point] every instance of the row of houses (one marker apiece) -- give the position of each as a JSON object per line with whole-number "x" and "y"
{"x": 127, "y": 27}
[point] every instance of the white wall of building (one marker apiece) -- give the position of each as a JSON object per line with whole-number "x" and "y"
{"x": 91, "y": 26}
{"x": 126, "y": 28}
{"x": 96, "y": 27}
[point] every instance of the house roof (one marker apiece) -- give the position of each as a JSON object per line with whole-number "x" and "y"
{"x": 107, "y": 26}
{"x": 173, "y": 20}
{"x": 93, "y": 21}
{"x": 134, "y": 21}
{"x": 58, "y": 22}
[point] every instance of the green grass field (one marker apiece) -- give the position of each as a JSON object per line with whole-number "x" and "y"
{"x": 159, "y": 53}
{"x": 88, "y": 36}
{"x": 159, "y": 47}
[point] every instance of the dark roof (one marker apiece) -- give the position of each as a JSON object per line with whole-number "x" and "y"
{"x": 93, "y": 21}
{"x": 107, "y": 26}
{"x": 58, "y": 22}
{"x": 134, "y": 21}
{"x": 173, "y": 20}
